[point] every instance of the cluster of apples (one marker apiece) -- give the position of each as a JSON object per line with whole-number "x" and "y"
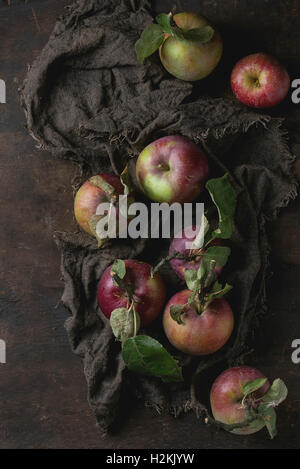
{"x": 175, "y": 169}
{"x": 190, "y": 49}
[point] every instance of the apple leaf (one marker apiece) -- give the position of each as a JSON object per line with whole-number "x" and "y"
{"x": 269, "y": 416}
{"x": 118, "y": 268}
{"x": 176, "y": 311}
{"x": 203, "y": 35}
{"x": 276, "y": 394}
{"x": 217, "y": 291}
{"x": 164, "y": 20}
{"x": 219, "y": 254}
{"x": 125, "y": 323}
{"x": 100, "y": 182}
{"x": 253, "y": 385}
{"x": 93, "y": 222}
{"x": 151, "y": 39}
{"x": 145, "y": 355}
{"x": 224, "y": 197}
{"x": 126, "y": 181}
{"x": 191, "y": 279}
{"x": 198, "y": 241}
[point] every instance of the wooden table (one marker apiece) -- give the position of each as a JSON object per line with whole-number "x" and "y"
{"x": 42, "y": 387}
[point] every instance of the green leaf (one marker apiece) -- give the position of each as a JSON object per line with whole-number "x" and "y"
{"x": 224, "y": 197}
{"x": 164, "y": 20}
{"x": 191, "y": 279}
{"x": 176, "y": 311}
{"x": 276, "y": 394}
{"x": 253, "y": 385}
{"x": 192, "y": 297}
{"x": 151, "y": 39}
{"x": 125, "y": 323}
{"x": 203, "y": 35}
{"x": 269, "y": 416}
{"x": 118, "y": 268}
{"x": 99, "y": 182}
{"x": 219, "y": 254}
{"x": 197, "y": 241}
{"x": 126, "y": 181}
{"x": 145, "y": 355}
{"x": 93, "y": 222}
{"x": 217, "y": 291}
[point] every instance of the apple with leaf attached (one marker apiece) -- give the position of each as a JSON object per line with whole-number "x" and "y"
{"x": 189, "y": 47}
{"x": 199, "y": 321}
{"x": 97, "y": 198}
{"x": 244, "y": 401}
{"x": 131, "y": 296}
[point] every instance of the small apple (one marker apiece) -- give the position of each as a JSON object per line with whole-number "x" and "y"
{"x": 90, "y": 195}
{"x": 227, "y": 394}
{"x": 172, "y": 169}
{"x": 178, "y": 244}
{"x": 149, "y": 293}
{"x": 260, "y": 81}
{"x": 200, "y": 334}
{"x": 190, "y": 60}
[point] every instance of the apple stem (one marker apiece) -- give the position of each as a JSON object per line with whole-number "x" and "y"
{"x": 175, "y": 255}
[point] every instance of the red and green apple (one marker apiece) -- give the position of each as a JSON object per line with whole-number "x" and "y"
{"x": 172, "y": 169}
{"x": 226, "y": 398}
{"x": 198, "y": 334}
{"x": 190, "y": 60}
{"x": 260, "y": 81}
{"x": 148, "y": 292}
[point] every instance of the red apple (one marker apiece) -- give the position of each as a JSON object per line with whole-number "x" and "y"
{"x": 172, "y": 169}
{"x": 149, "y": 292}
{"x": 260, "y": 81}
{"x": 200, "y": 334}
{"x": 89, "y": 196}
{"x": 179, "y": 245}
{"x": 190, "y": 60}
{"x": 226, "y": 398}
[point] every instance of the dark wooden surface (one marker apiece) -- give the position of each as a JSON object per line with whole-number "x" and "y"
{"x": 42, "y": 388}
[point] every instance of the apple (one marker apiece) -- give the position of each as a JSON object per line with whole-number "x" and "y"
{"x": 260, "y": 81}
{"x": 89, "y": 196}
{"x": 149, "y": 293}
{"x": 190, "y": 60}
{"x": 178, "y": 244}
{"x": 226, "y": 398}
{"x": 200, "y": 334}
{"x": 172, "y": 169}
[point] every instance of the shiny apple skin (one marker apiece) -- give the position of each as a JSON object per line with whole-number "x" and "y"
{"x": 89, "y": 197}
{"x": 172, "y": 169}
{"x": 189, "y": 60}
{"x": 260, "y": 81}
{"x": 226, "y": 396}
{"x": 200, "y": 334}
{"x": 179, "y": 245}
{"x": 150, "y": 293}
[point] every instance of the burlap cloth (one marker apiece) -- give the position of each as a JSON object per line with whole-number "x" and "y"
{"x": 87, "y": 99}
